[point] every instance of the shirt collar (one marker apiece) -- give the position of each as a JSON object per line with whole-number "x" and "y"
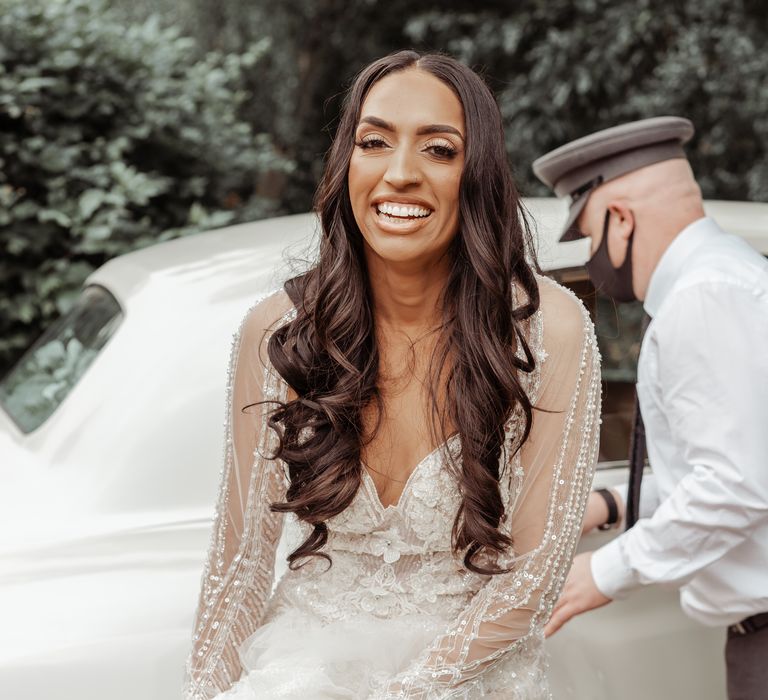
{"x": 674, "y": 260}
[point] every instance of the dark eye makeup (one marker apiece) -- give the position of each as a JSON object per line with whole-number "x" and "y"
{"x": 370, "y": 142}
{"x": 442, "y": 149}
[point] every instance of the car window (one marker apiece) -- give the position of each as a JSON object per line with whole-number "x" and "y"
{"x": 618, "y": 328}
{"x": 41, "y": 379}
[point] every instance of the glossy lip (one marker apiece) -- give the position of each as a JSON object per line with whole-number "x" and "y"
{"x": 404, "y": 226}
{"x": 407, "y": 225}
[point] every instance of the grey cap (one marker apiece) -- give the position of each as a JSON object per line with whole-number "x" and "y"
{"x": 578, "y": 167}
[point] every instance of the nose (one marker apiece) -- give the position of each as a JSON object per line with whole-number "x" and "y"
{"x": 402, "y": 168}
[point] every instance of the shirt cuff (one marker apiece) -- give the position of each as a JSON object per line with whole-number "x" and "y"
{"x": 610, "y": 571}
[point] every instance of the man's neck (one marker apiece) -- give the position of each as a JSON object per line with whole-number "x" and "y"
{"x": 673, "y": 260}
{"x": 671, "y": 217}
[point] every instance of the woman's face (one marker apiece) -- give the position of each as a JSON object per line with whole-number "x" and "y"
{"x": 406, "y": 167}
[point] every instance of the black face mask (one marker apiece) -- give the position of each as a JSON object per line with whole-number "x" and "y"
{"x": 616, "y": 282}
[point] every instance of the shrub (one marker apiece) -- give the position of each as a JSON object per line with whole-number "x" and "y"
{"x": 112, "y": 137}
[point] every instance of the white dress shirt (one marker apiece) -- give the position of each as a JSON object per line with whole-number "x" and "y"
{"x": 703, "y": 391}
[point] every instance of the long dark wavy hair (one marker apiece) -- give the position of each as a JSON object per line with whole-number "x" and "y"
{"x": 328, "y": 353}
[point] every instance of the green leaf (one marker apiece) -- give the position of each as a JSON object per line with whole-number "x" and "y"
{"x": 89, "y": 202}
{"x": 115, "y": 134}
{"x": 97, "y": 232}
{"x": 36, "y": 84}
{"x": 59, "y": 217}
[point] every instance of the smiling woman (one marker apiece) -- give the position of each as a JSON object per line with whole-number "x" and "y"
{"x": 426, "y": 425}
{"x": 405, "y": 171}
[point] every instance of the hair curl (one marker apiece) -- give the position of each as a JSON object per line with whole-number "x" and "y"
{"x": 329, "y": 355}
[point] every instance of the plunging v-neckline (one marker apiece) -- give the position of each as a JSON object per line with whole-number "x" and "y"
{"x": 372, "y": 484}
{"x": 283, "y": 394}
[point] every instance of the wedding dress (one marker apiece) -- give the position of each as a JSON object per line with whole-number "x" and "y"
{"x": 397, "y": 615}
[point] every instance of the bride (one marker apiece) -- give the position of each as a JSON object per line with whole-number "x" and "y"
{"x": 420, "y": 412}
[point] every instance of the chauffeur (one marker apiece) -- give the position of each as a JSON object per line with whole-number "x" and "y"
{"x": 702, "y": 386}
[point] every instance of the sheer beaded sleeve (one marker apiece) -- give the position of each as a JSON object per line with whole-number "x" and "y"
{"x": 238, "y": 573}
{"x": 553, "y": 474}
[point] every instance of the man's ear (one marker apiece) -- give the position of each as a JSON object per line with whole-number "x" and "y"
{"x": 622, "y": 219}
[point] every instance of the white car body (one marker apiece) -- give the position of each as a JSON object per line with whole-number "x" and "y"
{"x": 107, "y": 505}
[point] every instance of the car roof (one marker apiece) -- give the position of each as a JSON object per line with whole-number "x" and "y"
{"x": 232, "y": 258}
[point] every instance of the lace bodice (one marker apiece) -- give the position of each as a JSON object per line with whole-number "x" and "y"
{"x": 396, "y": 561}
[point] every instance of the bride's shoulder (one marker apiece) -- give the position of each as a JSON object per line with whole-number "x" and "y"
{"x": 267, "y": 311}
{"x": 554, "y": 295}
{"x": 561, "y": 317}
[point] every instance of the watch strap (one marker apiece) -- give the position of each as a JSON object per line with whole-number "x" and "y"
{"x": 613, "y": 509}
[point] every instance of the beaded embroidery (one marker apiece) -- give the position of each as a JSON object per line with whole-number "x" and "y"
{"x": 397, "y": 561}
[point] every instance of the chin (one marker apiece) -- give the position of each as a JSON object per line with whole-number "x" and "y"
{"x": 404, "y": 250}
{"x": 395, "y": 249}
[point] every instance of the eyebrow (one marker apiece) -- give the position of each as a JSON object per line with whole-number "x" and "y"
{"x": 428, "y": 129}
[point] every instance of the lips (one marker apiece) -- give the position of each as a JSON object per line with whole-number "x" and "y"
{"x": 398, "y": 210}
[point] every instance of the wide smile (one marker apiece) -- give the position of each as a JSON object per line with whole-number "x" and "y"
{"x": 401, "y": 218}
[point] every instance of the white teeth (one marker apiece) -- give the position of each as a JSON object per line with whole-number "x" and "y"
{"x": 402, "y": 211}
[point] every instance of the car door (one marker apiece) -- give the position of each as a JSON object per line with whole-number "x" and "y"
{"x": 644, "y": 646}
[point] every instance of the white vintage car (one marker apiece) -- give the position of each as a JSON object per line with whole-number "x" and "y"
{"x": 111, "y": 435}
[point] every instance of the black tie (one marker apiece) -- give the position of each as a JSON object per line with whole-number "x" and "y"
{"x": 637, "y": 453}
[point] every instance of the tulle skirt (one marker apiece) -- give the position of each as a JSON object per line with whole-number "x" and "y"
{"x": 298, "y": 657}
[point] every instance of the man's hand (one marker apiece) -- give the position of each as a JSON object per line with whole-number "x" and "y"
{"x": 579, "y": 595}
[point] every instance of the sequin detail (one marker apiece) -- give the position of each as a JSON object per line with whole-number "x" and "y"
{"x": 396, "y": 562}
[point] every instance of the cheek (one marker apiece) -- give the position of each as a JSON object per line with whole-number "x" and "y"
{"x": 362, "y": 176}
{"x": 361, "y": 183}
{"x": 449, "y": 187}
{"x": 454, "y": 213}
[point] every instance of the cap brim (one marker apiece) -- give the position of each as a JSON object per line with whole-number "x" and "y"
{"x": 570, "y": 230}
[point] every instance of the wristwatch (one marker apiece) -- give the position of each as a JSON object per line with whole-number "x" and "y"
{"x": 613, "y": 509}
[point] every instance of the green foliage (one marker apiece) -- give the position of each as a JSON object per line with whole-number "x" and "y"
{"x": 115, "y": 132}
{"x": 318, "y": 45}
{"x": 562, "y": 69}
{"x": 112, "y": 137}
